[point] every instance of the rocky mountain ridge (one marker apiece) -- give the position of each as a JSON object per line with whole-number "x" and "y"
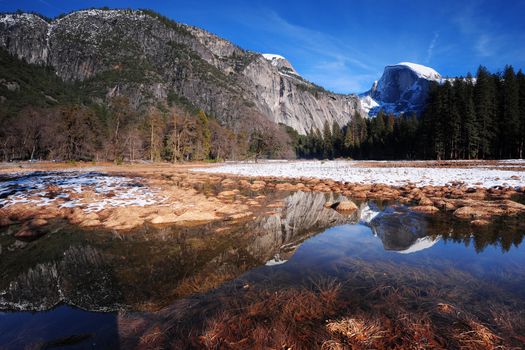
{"x": 147, "y": 57}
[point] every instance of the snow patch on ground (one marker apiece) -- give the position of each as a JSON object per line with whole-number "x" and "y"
{"x": 274, "y": 262}
{"x": 61, "y": 188}
{"x": 351, "y": 171}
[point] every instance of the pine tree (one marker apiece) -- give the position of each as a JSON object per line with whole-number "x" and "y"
{"x": 434, "y": 124}
{"x": 510, "y": 116}
{"x": 318, "y": 144}
{"x": 521, "y": 140}
{"x": 485, "y": 107}
{"x": 470, "y": 130}
{"x": 328, "y": 144}
{"x": 204, "y": 137}
{"x": 337, "y": 140}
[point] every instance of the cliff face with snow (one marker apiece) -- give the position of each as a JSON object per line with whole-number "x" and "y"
{"x": 147, "y": 58}
{"x": 402, "y": 88}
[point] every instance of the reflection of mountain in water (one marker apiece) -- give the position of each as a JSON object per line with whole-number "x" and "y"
{"x": 402, "y": 230}
{"x": 302, "y": 216}
{"x": 154, "y": 267}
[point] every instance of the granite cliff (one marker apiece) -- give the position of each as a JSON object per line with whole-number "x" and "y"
{"x": 149, "y": 58}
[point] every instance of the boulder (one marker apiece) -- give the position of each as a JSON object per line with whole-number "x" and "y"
{"x": 90, "y": 223}
{"x": 228, "y": 182}
{"x": 471, "y": 213}
{"x": 28, "y": 233}
{"x": 228, "y": 193}
{"x": 480, "y": 222}
{"x": 427, "y": 209}
{"x": 346, "y": 206}
{"x": 164, "y": 219}
{"x": 37, "y": 223}
{"x": 424, "y": 201}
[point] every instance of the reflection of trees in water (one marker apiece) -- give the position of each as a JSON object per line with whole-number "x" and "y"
{"x": 504, "y": 233}
{"x": 399, "y": 228}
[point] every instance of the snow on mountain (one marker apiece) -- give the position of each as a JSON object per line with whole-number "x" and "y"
{"x": 422, "y": 71}
{"x": 420, "y": 244}
{"x": 273, "y": 58}
{"x": 367, "y": 214}
{"x": 368, "y": 103}
{"x": 281, "y": 63}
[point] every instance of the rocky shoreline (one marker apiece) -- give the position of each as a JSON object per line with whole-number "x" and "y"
{"x": 179, "y": 196}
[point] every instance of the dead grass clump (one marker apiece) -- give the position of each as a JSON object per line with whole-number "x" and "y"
{"x": 414, "y": 331}
{"x": 360, "y": 332}
{"x": 477, "y": 336}
{"x": 289, "y": 318}
{"x": 329, "y": 290}
{"x": 445, "y": 308}
{"x": 512, "y": 322}
{"x": 332, "y": 345}
{"x": 129, "y": 326}
{"x": 154, "y": 338}
{"x": 303, "y": 305}
{"x": 202, "y": 283}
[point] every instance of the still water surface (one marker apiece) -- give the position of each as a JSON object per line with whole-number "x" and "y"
{"x": 79, "y": 289}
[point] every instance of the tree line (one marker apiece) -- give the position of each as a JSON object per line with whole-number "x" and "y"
{"x": 464, "y": 118}
{"x": 45, "y": 118}
{"x": 117, "y": 132}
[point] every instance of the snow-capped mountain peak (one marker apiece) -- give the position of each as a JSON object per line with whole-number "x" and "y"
{"x": 403, "y": 88}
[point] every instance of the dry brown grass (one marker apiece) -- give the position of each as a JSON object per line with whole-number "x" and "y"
{"x": 477, "y": 337}
{"x": 357, "y": 331}
{"x": 154, "y": 338}
{"x": 369, "y": 306}
{"x": 203, "y": 282}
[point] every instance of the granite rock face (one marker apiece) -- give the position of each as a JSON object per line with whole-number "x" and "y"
{"x": 403, "y": 88}
{"x": 154, "y": 57}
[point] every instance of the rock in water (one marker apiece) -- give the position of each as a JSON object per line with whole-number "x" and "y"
{"x": 346, "y": 206}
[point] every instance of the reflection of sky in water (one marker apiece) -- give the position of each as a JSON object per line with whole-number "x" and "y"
{"x": 85, "y": 330}
{"x": 321, "y": 252}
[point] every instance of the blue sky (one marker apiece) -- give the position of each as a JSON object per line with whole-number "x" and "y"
{"x": 344, "y": 45}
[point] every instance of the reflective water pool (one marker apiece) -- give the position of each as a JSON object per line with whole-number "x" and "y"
{"x": 294, "y": 278}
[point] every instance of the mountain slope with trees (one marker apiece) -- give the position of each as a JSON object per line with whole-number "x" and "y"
{"x": 152, "y": 60}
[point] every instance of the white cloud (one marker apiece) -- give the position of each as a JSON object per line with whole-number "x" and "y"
{"x": 431, "y": 46}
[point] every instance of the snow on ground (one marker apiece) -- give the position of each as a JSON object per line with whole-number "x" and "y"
{"x": 41, "y": 189}
{"x": 350, "y": 171}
